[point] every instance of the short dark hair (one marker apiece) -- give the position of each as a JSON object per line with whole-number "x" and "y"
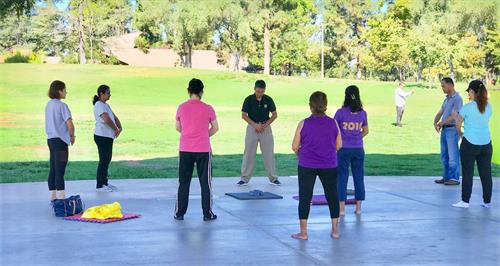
{"x": 318, "y": 102}
{"x": 55, "y": 87}
{"x": 260, "y": 84}
{"x": 195, "y": 86}
{"x": 448, "y": 80}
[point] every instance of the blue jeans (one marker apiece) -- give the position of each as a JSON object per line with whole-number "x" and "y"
{"x": 450, "y": 156}
{"x": 355, "y": 157}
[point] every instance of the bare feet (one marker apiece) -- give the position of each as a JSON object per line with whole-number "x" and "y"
{"x": 300, "y": 236}
{"x": 342, "y": 213}
{"x": 358, "y": 212}
{"x": 335, "y": 235}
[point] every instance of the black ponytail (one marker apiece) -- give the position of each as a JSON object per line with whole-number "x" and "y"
{"x": 96, "y": 99}
{"x": 100, "y": 90}
{"x": 352, "y": 99}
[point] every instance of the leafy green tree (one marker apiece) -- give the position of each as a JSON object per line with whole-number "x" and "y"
{"x": 233, "y": 28}
{"x": 151, "y": 18}
{"x": 50, "y": 31}
{"x": 277, "y": 25}
{"x": 15, "y": 31}
{"x": 190, "y": 26}
{"x": 345, "y": 22}
{"x": 492, "y": 49}
{"x": 19, "y": 7}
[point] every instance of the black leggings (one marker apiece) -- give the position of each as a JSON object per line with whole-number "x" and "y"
{"x": 328, "y": 178}
{"x": 470, "y": 154}
{"x": 105, "y": 148}
{"x": 58, "y": 161}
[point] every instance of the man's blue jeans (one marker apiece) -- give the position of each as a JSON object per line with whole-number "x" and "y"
{"x": 450, "y": 155}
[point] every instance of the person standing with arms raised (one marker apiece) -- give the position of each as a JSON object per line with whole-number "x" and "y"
{"x": 450, "y": 156}
{"x": 400, "y": 96}
{"x": 255, "y": 112}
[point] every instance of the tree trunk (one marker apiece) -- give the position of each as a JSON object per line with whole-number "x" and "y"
{"x": 452, "y": 70}
{"x": 189, "y": 62}
{"x": 91, "y": 38}
{"x": 267, "y": 49}
{"x": 491, "y": 77}
{"x": 237, "y": 56}
{"x": 91, "y": 51}
{"x": 81, "y": 51}
{"x": 359, "y": 73}
{"x": 419, "y": 71}
{"x": 400, "y": 72}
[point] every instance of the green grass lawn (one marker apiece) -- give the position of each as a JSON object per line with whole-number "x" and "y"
{"x": 495, "y": 125}
{"x": 146, "y": 99}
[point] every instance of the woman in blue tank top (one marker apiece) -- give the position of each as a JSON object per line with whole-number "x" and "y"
{"x": 316, "y": 142}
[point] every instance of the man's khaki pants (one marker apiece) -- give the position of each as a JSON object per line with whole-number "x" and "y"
{"x": 266, "y": 140}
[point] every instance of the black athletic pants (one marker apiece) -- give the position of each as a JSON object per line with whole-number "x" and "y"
{"x": 307, "y": 178}
{"x": 58, "y": 161}
{"x": 105, "y": 149}
{"x": 187, "y": 160}
{"x": 469, "y": 155}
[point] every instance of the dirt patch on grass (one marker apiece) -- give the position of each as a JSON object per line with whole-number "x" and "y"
{"x": 11, "y": 120}
{"x": 137, "y": 162}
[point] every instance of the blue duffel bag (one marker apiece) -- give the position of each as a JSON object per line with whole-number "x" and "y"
{"x": 67, "y": 207}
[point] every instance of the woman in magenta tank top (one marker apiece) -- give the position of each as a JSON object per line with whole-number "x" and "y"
{"x": 316, "y": 142}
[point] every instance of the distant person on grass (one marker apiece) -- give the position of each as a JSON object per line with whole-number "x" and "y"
{"x": 255, "y": 111}
{"x": 196, "y": 121}
{"x": 353, "y": 123}
{"x": 316, "y": 142}
{"x": 450, "y": 157}
{"x": 107, "y": 128}
{"x": 400, "y": 96}
{"x": 476, "y": 143}
{"x": 60, "y": 133}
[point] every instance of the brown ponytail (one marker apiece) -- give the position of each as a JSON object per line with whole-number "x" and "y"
{"x": 481, "y": 94}
{"x": 482, "y": 98}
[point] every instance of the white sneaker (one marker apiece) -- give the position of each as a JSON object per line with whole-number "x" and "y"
{"x": 461, "y": 204}
{"x": 486, "y": 205}
{"x": 104, "y": 189}
{"x": 112, "y": 187}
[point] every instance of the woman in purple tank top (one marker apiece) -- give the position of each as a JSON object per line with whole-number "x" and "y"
{"x": 316, "y": 142}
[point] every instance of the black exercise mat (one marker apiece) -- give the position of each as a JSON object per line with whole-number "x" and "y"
{"x": 254, "y": 195}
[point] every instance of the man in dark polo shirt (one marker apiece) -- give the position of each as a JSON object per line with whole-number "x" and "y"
{"x": 255, "y": 112}
{"x": 450, "y": 154}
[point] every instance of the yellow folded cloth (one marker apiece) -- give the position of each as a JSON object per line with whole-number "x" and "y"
{"x": 102, "y": 212}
